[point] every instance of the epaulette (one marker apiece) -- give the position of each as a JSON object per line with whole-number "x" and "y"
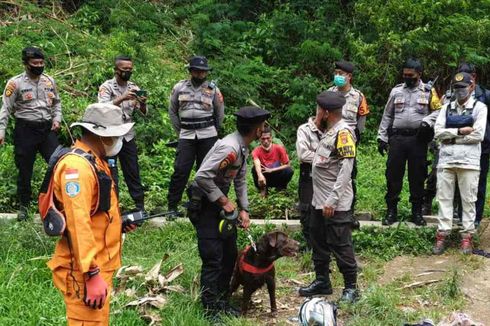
{"x": 399, "y": 85}
{"x": 212, "y": 84}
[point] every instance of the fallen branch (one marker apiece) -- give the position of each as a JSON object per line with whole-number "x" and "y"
{"x": 419, "y": 284}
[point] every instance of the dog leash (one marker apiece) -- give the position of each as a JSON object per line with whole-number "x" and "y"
{"x": 252, "y": 242}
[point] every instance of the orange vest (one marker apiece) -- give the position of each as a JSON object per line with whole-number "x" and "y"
{"x": 90, "y": 240}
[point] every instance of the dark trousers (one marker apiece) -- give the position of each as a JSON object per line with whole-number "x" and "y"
{"x": 188, "y": 151}
{"x": 482, "y": 186}
{"x": 128, "y": 156}
{"x": 405, "y": 149}
{"x": 333, "y": 236}
{"x": 278, "y": 179}
{"x": 31, "y": 137}
{"x": 431, "y": 182}
{"x": 218, "y": 255}
{"x": 305, "y": 193}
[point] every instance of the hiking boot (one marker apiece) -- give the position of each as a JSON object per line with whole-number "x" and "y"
{"x": 320, "y": 286}
{"x": 440, "y": 245}
{"x": 417, "y": 217}
{"x": 466, "y": 244}
{"x": 23, "y": 213}
{"x": 174, "y": 213}
{"x": 349, "y": 296}
{"x": 391, "y": 216}
{"x": 225, "y": 308}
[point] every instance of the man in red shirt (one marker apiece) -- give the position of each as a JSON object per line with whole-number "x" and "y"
{"x": 271, "y": 164}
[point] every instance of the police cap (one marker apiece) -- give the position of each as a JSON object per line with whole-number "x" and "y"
{"x": 330, "y": 101}
{"x": 252, "y": 114}
{"x": 462, "y": 79}
{"x": 199, "y": 63}
{"x": 346, "y": 66}
{"x": 31, "y": 52}
{"x": 467, "y": 67}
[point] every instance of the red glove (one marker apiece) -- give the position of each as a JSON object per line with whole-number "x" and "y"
{"x": 95, "y": 289}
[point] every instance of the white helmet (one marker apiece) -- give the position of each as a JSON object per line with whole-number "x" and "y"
{"x": 318, "y": 312}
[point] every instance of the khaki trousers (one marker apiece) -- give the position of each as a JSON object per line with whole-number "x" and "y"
{"x": 468, "y": 188}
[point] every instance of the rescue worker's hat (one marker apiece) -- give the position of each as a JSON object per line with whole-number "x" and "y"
{"x": 346, "y": 66}
{"x": 330, "y": 101}
{"x": 252, "y": 114}
{"x": 105, "y": 120}
{"x": 199, "y": 63}
{"x": 462, "y": 79}
{"x": 31, "y": 52}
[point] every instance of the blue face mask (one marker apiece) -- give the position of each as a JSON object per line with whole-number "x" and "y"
{"x": 339, "y": 80}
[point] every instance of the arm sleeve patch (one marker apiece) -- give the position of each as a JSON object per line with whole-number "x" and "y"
{"x": 9, "y": 90}
{"x": 346, "y": 146}
{"x": 229, "y": 159}
{"x": 363, "y": 107}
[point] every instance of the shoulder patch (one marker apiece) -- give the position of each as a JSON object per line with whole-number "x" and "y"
{"x": 71, "y": 174}
{"x": 72, "y": 188}
{"x": 220, "y": 96}
{"x": 9, "y": 90}
{"x": 230, "y": 159}
{"x": 346, "y": 146}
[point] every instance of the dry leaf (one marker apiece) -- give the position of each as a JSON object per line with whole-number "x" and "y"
{"x": 418, "y": 284}
{"x": 174, "y": 288}
{"x": 152, "y": 275}
{"x": 174, "y": 273}
{"x": 156, "y": 301}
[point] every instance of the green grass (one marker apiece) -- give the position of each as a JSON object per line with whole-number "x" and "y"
{"x": 27, "y": 296}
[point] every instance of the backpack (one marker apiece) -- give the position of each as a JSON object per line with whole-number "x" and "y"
{"x": 54, "y": 221}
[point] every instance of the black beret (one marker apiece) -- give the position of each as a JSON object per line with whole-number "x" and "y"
{"x": 345, "y": 66}
{"x": 330, "y": 101}
{"x": 31, "y": 52}
{"x": 252, "y": 114}
{"x": 199, "y": 63}
{"x": 462, "y": 79}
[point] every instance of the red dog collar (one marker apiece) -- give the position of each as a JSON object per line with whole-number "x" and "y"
{"x": 246, "y": 267}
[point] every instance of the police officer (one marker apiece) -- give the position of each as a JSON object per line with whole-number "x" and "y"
{"x": 125, "y": 94}
{"x": 482, "y": 95}
{"x": 308, "y": 137}
{"x": 224, "y": 163}
{"x": 461, "y": 128}
{"x": 330, "y": 221}
{"x": 196, "y": 111}
{"x": 354, "y": 111}
{"x": 405, "y": 130}
{"x": 33, "y": 99}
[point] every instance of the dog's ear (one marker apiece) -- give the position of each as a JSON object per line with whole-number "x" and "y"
{"x": 273, "y": 239}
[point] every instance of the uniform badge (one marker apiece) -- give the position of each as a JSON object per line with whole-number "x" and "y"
{"x": 71, "y": 174}
{"x": 459, "y": 77}
{"x": 220, "y": 96}
{"x": 72, "y": 188}
{"x": 346, "y": 146}
{"x": 230, "y": 159}
{"x": 9, "y": 90}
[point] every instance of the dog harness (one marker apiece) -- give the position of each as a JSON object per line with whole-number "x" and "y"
{"x": 246, "y": 267}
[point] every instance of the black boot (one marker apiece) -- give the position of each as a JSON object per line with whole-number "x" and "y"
{"x": 417, "y": 217}
{"x": 320, "y": 286}
{"x": 391, "y": 216}
{"x": 23, "y": 213}
{"x": 350, "y": 295}
{"x": 427, "y": 206}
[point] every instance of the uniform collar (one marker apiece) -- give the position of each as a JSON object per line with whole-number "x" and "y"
{"x": 420, "y": 86}
{"x": 467, "y": 105}
{"x": 87, "y": 149}
{"x": 243, "y": 148}
{"x": 348, "y": 93}
{"x": 312, "y": 125}
{"x": 115, "y": 84}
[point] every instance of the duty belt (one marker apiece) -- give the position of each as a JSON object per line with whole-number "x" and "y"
{"x": 404, "y": 131}
{"x": 196, "y": 123}
{"x": 33, "y": 124}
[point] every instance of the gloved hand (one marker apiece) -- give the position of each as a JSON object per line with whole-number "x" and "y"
{"x": 95, "y": 289}
{"x": 425, "y": 133}
{"x": 382, "y": 147}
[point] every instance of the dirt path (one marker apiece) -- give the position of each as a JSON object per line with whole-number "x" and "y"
{"x": 475, "y": 284}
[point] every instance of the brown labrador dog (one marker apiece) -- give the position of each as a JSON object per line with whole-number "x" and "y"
{"x": 253, "y": 268}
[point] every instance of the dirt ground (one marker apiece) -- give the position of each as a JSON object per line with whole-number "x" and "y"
{"x": 475, "y": 284}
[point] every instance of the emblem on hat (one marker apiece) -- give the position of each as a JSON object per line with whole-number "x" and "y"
{"x": 459, "y": 77}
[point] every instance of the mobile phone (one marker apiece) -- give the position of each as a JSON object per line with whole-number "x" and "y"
{"x": 141, "y": 93}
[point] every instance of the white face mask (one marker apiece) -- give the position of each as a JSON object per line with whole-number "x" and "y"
{"x": 115, "y": 148}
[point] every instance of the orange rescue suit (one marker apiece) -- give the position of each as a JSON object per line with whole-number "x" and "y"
{"x": 89, "y": 241}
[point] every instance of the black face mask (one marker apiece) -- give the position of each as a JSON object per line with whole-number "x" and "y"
{"x": 37, "y": 71}
{"x": 125, "y": 75}
{"x": 411, "y": 82}
{"x": 198, "y": 81}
